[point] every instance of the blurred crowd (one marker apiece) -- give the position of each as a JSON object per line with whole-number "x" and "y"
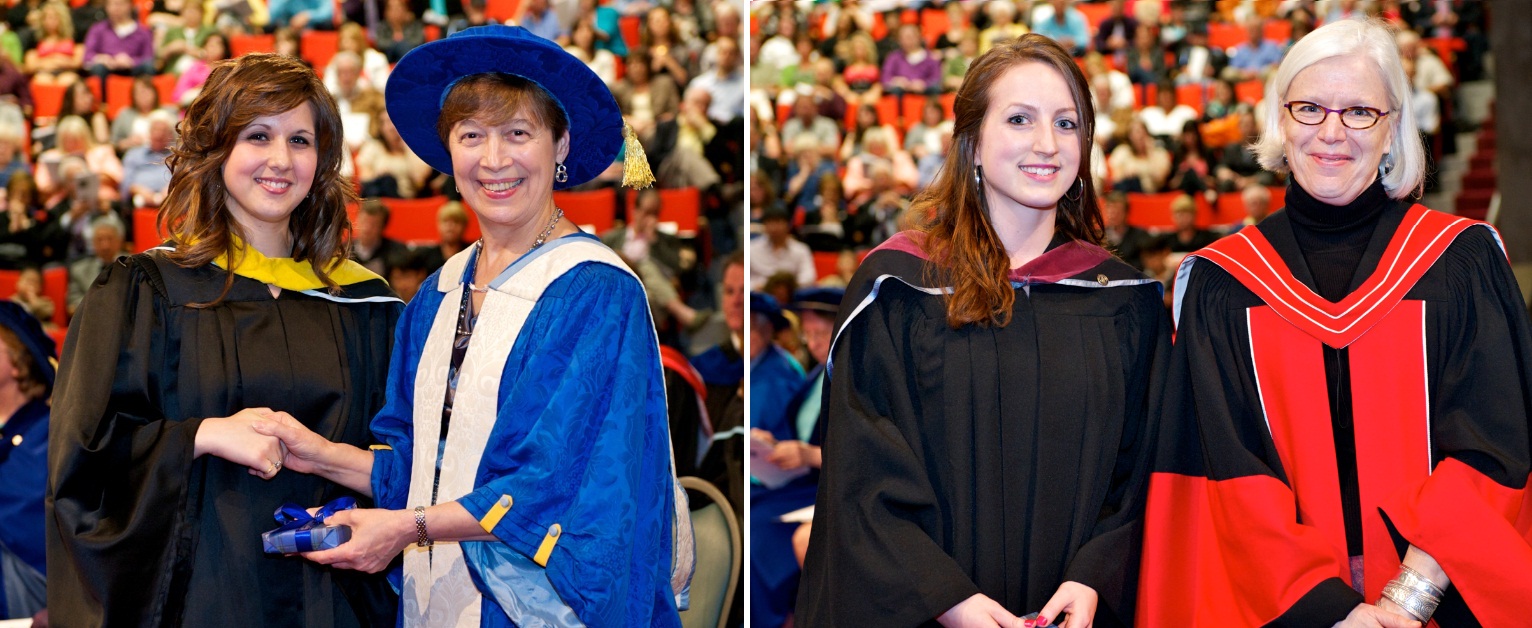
{"x": 852, "y": 105}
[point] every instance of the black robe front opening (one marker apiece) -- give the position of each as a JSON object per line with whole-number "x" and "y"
{"x": 1002, "y": 461}
{"x": 140, "y": 533}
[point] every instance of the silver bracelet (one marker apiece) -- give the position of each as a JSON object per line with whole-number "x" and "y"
{"x": 1416, "y": 580}
{"x": 1419, "y": 604}
{"x": 421, "y": 538}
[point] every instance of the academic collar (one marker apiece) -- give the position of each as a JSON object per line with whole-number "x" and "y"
{"x": 1063, "y": 259}
{"x": 287, "y": 273}
{"x": 1315, "y": 215}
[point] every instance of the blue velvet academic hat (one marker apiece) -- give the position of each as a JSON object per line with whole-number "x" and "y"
{"x": 418, "y": 85}
{"x": 766, "y": 305}
{"x": 819, "y": 299}
{"x": 30, "y": 332}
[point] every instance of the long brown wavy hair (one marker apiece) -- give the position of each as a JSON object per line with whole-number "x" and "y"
{"x": 952, "y": 212}
{"x": 236, "y": 93}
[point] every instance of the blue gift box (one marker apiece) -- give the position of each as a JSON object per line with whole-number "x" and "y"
{"x": 302, "y": 532}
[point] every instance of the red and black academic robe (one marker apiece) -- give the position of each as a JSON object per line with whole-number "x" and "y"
{"x": 1245, "y": 524}
{"x": 994, "y": 460}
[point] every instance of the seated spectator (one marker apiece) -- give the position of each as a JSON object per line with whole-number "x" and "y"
{"x": 1139, "y": 164}
{"x": 131, "y": 128}
{"x": 1003, "y": 24}
{"x": 774, "y": 375}
{"x": 1190, "y": 171}
{"x": 646, "y": 100}
{"x": 955, "y": 67}
{"x": 822, "y": 230}
{"x": 859, "y": 82}
{"x": 924, "y": 137}
{"x": 725, "y": 86}
{"x": 1165, "y": 119}
{"x": 55, "y": 59}
{"x": 1197, "y": 62}
{"x": 75, "y": 141}
{"x": 911, "y": 69}
{"x": 29, "y": 295}
{"x": 1256, "y": 57}
{"x": 288, "y": 45}
{"x": 23, "y": 232}
{"x": 781, "y": 286}
{"x": 181, "y": 42}
{"x": 399, "y": 32}
{"x": 29, "y": 357}
{"x": 607, "y": 24}
{"x": 855, "y": 141}
{"x": 106, "y": 242}
{"x": 15, "y": 88}
{"x": 145, "y": 177}
{"x": 582, "y": 44}
{"x": 778, "y": 53}
{"x": 928, "y": 166}
{"x": 876, "y": 218}
{"x": 369, "y": 247}
{"x": 1221, "y": 101}
{"x": 1062, "y": 22}
{"x": 727, "y": 22}
{"x": 1115, "y": 33}
{"x": 807, "y": 166}
{"x": 473, "y": 15}
{"x": 374, "y": 68}
{"x": 1145, "y": 59}
{"x": 1257, "y": 201}
{"x": 215, "y": 48}
{"x": 386, "y": 167}
{"x": 668, "y": 52}
{"x": 300, "y": 15}
{"x": 959, "y": 26}
{"x": 685, "y": 164}
{"x": 80, "y": 101}
{"x": 451, "y": 224}
{"x": 406, "y": 276}
{"x": 1110, "y": 87}
{"x": 1239, "y": 166}
{"x": 807, "y": 120}
{"x": 358, "y": 103}
{"x": 1126, "y": 240}
{"x": 539, "y": 17}
{"x": 641, "y": 239}
{"x": 11, "y": 156}
{"x": 1186, "y": 237}
{"x": 879, "y": 149}
{"x": 778, "y": 251}
{"x": 118, "y": 45}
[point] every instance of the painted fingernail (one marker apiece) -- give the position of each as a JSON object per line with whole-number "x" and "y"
{"x": 1042, "y": 621}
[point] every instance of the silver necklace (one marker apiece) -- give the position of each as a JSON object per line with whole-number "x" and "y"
{"x": 558, "y": 214}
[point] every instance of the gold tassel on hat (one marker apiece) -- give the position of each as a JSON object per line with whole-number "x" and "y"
{"x": 635, "y": 165}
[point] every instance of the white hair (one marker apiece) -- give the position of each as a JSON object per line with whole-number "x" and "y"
{"x": 1371, "y": 39}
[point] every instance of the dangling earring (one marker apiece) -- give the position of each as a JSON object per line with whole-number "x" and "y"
{"x": 1076, "y": 197}
{"x": 1284, "y": 161}
{"x": 978, "y": 176}
{"x": 1386, "y": 166}
{"x": 560, "y": 173}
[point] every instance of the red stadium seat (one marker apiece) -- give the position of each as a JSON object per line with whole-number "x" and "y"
{"x": 1193, "y": 95}
{"x": 949, "y": 100}
{"x": 501, "y": 10}
{"x": 1278, "y": 31}
{"x": 1152, "y": 211}
{"x": 47, "y": 100}
{"x": 594, "y": 211}
{"x": 165, "y": 84}
{"x": 888, "y": 110}
{"x": 680, "y": 210}
{"x": 413, "y": 221}
{"x": 1095, "y": 13}
{"x": 433, "y": 32}
{"x": 825, "y": 263}
{"x": 933, "y": 22}
{"x": 1225, "y": 35}
{"x": 146, "y": 234}
{"x": 56, "y": 288}
{"x": 240, "y": 45}
{"x": 1249, "y": 91}
{"x": 8, "y": 280}
{"x": 317, "y": 47}
{"x": 629, "y": 26}
{"x": 119, "y": 94}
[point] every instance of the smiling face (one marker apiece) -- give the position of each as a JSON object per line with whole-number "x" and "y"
{"x": 505, "y": 171}
{"x": 1334, "y": 163}
{"x": 271, "y": 168}
{"x": 1029, "y": 145}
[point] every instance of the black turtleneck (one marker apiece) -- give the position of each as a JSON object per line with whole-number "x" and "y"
{"x": 1333, "y": 238}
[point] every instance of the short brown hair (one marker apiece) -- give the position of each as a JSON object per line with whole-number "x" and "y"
{"x": 493, "y": 98}
{"x": 27, "y": 368}
{"x": 236, "y": 93}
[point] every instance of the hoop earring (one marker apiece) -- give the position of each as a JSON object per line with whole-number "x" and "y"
{"x": 1386, "y": 166}
{"x": 560, "y": 173}
{"x": 1076, "y": 197}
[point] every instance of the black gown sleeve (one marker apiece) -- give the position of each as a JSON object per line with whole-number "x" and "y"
{"x": 1108, "y": 562}
{"x": 117, "y": 467}
{"x": 870, "y": 555}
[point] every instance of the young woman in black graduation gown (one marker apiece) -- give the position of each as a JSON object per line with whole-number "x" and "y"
{"x": 993, "y": 384}
{"x": 159, "y": 487}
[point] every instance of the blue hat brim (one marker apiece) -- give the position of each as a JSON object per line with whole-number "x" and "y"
{"x": 30, "y": 332}
{"x": 419, "y": 83}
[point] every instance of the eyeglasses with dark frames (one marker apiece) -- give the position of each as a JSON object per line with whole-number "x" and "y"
{"x": 1313, "y": 114}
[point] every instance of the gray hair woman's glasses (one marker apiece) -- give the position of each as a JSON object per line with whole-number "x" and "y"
{"x": 1312, "y": 114}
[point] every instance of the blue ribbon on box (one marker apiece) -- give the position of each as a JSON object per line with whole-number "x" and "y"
{"x": 300, "y": 526}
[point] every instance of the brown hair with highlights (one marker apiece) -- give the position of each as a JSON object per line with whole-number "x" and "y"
{"x": 236, "y": 93}
{"x": 28, "y": 371}
{"x": 952, "y": 212}
{"x": 493, "y": 99}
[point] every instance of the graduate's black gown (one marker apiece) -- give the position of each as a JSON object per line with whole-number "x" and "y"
{"x": 1002, "y": 461}
{"x": 142, "y": 534}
